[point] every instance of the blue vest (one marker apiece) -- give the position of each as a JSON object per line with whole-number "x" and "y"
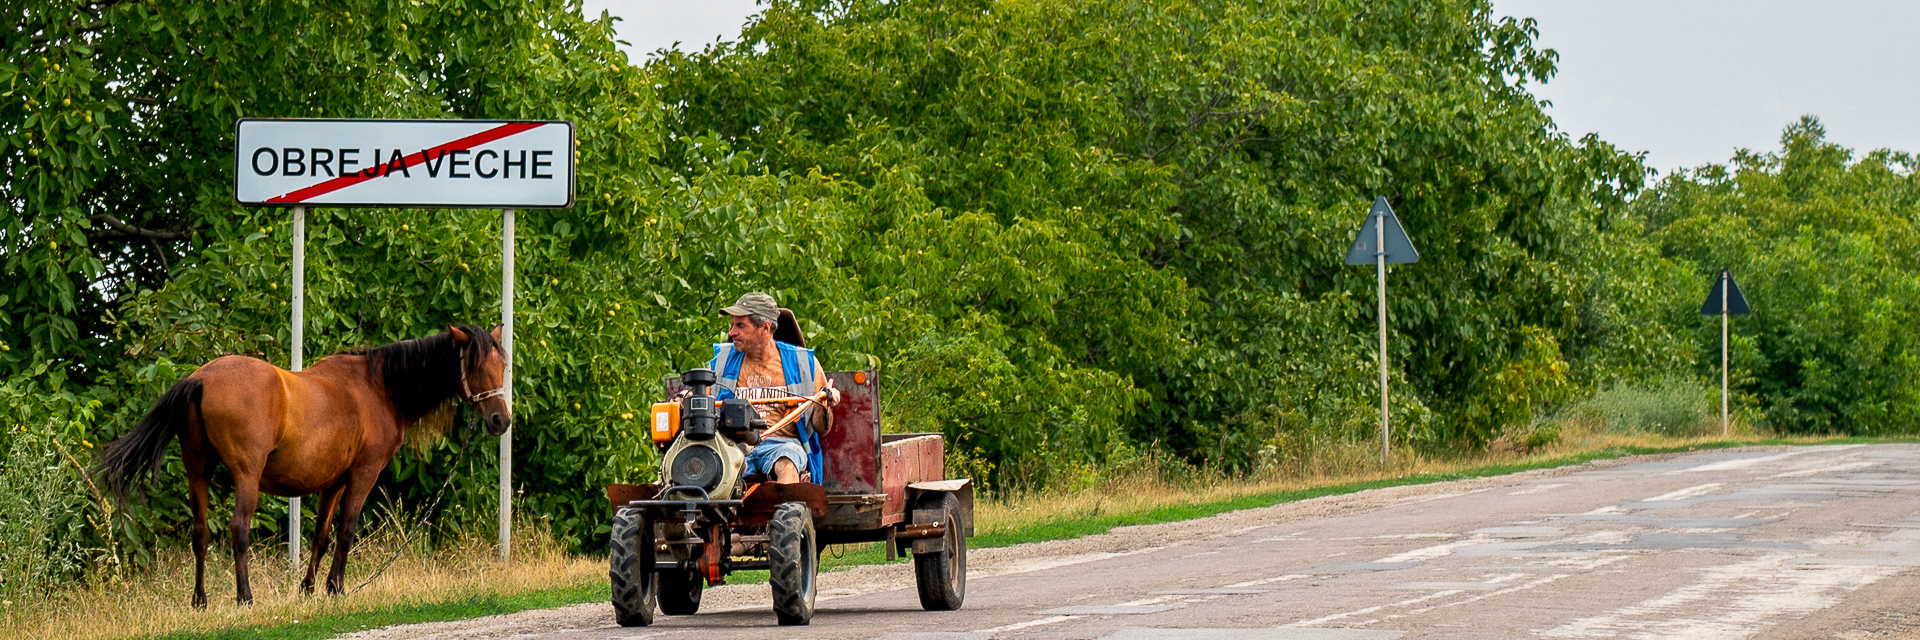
{"x": 797, "y": 364}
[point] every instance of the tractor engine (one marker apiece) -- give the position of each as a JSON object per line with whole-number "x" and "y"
{"x": 709, "y": 452}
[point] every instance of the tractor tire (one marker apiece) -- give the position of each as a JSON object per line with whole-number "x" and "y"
{"x": 942, "y": 575}
{"x": 793, "y": 561}
{"x": 680, "y": 592}
{"x": 630, "y": 554}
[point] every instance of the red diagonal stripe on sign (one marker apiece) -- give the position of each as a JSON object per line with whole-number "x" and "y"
{"x": 354, "y": 178}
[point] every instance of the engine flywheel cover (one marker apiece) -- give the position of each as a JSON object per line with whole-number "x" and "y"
{"x": 698, "y": 466}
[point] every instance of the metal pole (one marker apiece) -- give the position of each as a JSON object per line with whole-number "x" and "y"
{"x": 1726, "y": 292}
{"x": 1380, "y": 261}
{"x": 298, "y": 356}
{"x": 506, "y": 344}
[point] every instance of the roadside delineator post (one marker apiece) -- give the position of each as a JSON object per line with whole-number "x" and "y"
{"x": 1724, "y": 300}
{"x": 1381, "y": 241}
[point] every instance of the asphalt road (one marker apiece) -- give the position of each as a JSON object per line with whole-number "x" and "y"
{"x": 1804, "y": 542}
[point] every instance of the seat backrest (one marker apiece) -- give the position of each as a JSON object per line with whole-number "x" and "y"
{"x": 787, "y": 329}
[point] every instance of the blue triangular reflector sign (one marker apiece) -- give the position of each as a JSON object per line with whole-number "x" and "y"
{"x": 1723, "y": 285}
{"x": 1399, "y": 249}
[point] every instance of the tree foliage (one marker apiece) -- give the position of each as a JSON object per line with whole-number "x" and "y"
{"x": 1824, "y": 248}
{"x": 1207, "y": 163}
{"x": 1066, "y": 233}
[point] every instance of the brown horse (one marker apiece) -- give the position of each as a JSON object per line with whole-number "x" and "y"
{"x": 328, "y": 430}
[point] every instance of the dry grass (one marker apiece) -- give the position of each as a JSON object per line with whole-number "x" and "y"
{"x": 155, "y": 602}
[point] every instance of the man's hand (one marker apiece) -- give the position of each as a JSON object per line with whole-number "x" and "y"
{"x": 832, "y": 395}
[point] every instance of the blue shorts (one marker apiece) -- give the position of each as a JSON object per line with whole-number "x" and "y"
{"x": 771, "y": 450}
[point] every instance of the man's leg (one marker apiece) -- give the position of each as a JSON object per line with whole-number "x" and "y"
{"x": 784, "y": 471}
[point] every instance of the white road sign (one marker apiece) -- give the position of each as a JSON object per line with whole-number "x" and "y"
{"x": 493, "y": 164}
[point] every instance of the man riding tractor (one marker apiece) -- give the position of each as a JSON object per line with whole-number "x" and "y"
{"x": 763, "y": 359}
{"x": 743, "y": 483}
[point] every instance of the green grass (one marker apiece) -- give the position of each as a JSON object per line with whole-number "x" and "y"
{"x": 855, "y": 555}
{"x": 471, "y": 607}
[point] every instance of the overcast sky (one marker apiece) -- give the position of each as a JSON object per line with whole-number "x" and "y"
{"x": 1687, "y": 81}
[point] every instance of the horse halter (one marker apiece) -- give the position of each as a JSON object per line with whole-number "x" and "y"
{"x": 471, "y": 397}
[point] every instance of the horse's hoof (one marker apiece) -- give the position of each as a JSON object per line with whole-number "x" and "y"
{"x": 306, "y": 588}
{"x": 200, "y": 602}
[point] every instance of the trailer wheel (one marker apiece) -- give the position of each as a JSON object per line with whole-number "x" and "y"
{"x": 680, "y": 592}
{"x": 942, "y": 575}
{"x": 792, "y": 561}
{"x": 630, "y": 554}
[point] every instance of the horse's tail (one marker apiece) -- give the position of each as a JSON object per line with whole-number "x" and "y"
{"x": 140, "y": 451}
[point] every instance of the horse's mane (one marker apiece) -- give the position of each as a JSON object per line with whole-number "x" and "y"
{"x": 422, "y": 378}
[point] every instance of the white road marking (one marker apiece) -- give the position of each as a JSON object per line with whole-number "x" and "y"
{"x": 1440, "y": 496}
{"x": 1491, "y": 594}
{"x": 1833, "y": 469}
{"x": 1608, "y": 536}
{"x": 1742, "y": 463}
{"x": 1689, "y": 492}
{"x": 1847, "y": 538}
{"x": 1539, "y": 489}
{"x": 1042, "y": 564}
{"x": 1400, "y": 536}
{"x": 1256, "y": 583}
{"x": 1436, "y": 551}
{"x": 1490, "y": 584}
{"x": 1731, "y": 601}
{"x": 1148, "y": 601}
{"x": 1110, "y": 610}
{"x": 1027, "y": 624}
{"x": 1885, "y": 525}
{"x": 1377, "y": 607}
{"x": 1587, "y": 563}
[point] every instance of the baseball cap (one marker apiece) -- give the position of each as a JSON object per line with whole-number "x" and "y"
{"x": 756, "y": 304}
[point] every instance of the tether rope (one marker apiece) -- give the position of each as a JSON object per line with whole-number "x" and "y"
{"x": 473, "y": 425}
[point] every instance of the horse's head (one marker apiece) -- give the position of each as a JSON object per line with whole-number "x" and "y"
{"x": 483, "y": 381}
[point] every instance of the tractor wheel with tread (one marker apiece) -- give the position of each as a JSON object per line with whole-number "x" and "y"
{"x": 630, "y": 554}
{"x": 680, "y": 592}
{"x": 942, "y": 575}
{"x": 792, "y": 562}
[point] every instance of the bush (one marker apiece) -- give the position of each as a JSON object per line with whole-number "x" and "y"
{"x": 50, "y": 520}
{"x": 36, "y": 486}
{"x": 1671, "y": 406}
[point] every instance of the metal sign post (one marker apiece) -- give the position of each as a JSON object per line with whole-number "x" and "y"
{"x": 1380, "y": 261}
{"x": 504, "y": 165}
{"x": 298, "y": 359}
{"x": 1726, "y": 301}
{"x": 506, "y": 344}
{"x": 1389, "y": 244}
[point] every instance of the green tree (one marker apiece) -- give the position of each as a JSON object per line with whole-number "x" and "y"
{"x": 1207, "y": 162}
{"x": 1824, "y": 248}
